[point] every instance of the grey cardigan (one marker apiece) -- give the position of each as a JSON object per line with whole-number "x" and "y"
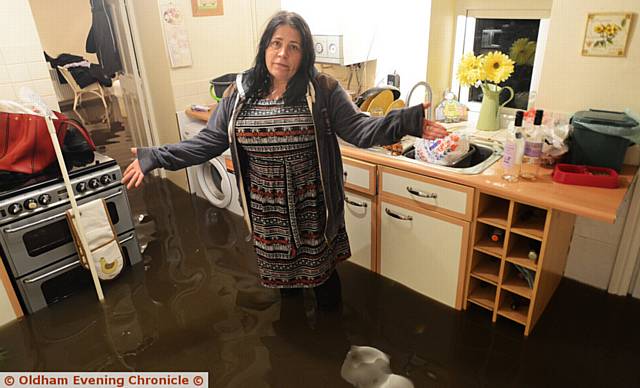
{"x": 334, "y": 115}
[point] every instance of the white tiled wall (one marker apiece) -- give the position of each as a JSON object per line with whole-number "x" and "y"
{"x": 21, "y": 56}
{"x": 21, "y": 64}
{"x": 594, "y": 247}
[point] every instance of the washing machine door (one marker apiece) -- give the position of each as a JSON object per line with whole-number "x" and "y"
{"x": 215, "y": 183}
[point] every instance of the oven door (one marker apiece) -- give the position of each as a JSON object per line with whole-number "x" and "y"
{"x": 65, "y": 278}
{"x": 32, "y": 243}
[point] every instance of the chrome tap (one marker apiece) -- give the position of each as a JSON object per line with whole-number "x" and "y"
{"x": 427, "y": 92}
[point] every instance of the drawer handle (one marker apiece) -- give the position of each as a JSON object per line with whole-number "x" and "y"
{"x": 398, "y": 216}
{"x": 421, "y": 194}
{"x": 354, "y": 203}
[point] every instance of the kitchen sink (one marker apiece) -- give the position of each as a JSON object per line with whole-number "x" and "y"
{"x": 486, "y": 153}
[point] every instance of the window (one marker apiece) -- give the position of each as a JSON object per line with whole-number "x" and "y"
{"x": 521, "y": 34}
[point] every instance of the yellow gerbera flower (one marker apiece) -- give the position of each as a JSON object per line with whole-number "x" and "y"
{"x": 522, "y": 51}
{"x": 470, "y": 70}
{"x": 598, "y": 29}
{"x": 497, "y": 66}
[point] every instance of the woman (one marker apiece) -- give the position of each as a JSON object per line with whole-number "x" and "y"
{"x": 282, "y": 120}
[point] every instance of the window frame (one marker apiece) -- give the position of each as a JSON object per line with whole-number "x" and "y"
{"x": 465, "y": 30}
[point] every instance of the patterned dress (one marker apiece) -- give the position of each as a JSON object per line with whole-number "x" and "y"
{"x": 286, "y": 201}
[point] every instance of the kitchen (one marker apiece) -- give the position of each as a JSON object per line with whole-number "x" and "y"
{"x": 170, "y": 90}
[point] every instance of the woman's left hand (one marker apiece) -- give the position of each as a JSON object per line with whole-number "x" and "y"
{"x": 430, "y": 129}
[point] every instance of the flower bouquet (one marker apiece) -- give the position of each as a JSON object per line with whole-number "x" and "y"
{"x": 486, "y": 71}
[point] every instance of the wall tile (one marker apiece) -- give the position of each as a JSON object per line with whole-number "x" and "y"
{"x": 13, "y": 54}
{"x": 7, "y": 93}
{"x": 43, "y": 87}
{"x": 591, "y": 262}
{"x": 34, "y": 53}
{"x": 4, "y": 75}
{"x": 38, "y": 70}
{"x": 18, "y": 73}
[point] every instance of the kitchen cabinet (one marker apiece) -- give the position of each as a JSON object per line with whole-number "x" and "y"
{"x": 360, "y": 210}
{"x": 420, "y": 244}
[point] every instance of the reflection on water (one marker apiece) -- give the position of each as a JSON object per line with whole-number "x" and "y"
{"x": 195, "y": 304}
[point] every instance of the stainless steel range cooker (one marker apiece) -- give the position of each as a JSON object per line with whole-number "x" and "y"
{"x": 35, "y": 241}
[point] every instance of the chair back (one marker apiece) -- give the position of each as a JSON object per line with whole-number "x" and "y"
{"x": 72, "y": 82}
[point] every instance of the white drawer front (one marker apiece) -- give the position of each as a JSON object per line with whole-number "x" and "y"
{"x": 357, "y": 176}
{"x": 448, "y": 198}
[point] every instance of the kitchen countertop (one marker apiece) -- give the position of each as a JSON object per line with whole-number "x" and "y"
{"x": 592, "y": 202}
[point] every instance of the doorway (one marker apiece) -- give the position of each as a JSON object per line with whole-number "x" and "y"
{"x": 105, "y": 94}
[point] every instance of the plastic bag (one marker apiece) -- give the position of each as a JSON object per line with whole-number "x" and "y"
{"x": 444, "y": 151}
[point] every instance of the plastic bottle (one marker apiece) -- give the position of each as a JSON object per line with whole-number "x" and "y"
{"x": 532, "y": 149}
{"x": 513, "y": 150}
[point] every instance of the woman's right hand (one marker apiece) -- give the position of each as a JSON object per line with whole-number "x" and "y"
{"x": 133, "y": 174}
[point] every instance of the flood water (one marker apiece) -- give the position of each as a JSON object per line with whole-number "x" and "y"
{"x": 195, "y": 304}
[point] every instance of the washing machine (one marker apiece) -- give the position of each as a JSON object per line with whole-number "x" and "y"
{"x": 211, "y": 180}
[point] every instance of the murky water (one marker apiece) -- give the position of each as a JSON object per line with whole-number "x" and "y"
{"x": 195, "y": 304}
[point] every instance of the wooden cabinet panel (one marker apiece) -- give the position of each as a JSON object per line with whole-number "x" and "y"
{"x": 425, "y": 252}
{"x": 428, "y": 193}
{"x": 359, "y": 220}
{"x": 359, "y": 176}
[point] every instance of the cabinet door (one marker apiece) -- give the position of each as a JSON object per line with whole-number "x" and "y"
{"x": 423, "y": 251}
{"x": 358, "y": 218}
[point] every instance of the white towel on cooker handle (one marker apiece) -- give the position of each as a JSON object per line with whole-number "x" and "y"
{"x": 101, "y": 239}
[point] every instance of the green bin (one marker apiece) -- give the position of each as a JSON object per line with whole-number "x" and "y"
{"x": 596, "y": 139}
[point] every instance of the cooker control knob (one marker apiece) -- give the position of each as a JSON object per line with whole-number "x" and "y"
{"x": 31, "y": 204}
{"x": 81, "y": 187}
{"x": 15, "y": 209}
{"x": 105, "y": 179}
{"x": 44, "y": 199}
{"x": 94, "y": 183}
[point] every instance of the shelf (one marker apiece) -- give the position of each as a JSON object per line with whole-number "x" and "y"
{"x": 519, "y": 254}
{"x": 493, "y": 210}
{"x": 527, "y": 229}
{"x": 519, "y": 315}
{"x": 482, "y": 294}
{"x": 489, "y": 247}
{"x": 533, "y": 223}
{"x": 487, "y": 270}
{"x": 496, "y": 214}
{"x": 517, "y": 286}
{"x": 483, "y": 297}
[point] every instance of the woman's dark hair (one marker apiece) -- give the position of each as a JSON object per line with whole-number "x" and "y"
{"x": 259, "y": 78}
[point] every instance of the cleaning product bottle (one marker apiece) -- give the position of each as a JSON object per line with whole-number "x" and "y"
{"x": 533, "y": 149}
{"x": 513, "y": 150}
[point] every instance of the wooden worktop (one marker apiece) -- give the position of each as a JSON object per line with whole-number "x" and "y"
{"x": 592, "y": 202}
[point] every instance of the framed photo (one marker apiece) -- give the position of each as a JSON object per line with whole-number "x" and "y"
{"x": 207, "y": 7}
{"x": 607, "y": 34}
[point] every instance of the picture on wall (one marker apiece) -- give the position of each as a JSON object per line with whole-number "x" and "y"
{"x": 176, "y": 36}
{"x": 207, "y": 7}
{"x": 607, "y": 34}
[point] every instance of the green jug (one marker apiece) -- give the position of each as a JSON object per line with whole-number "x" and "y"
{"x": 489, "y": 119}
